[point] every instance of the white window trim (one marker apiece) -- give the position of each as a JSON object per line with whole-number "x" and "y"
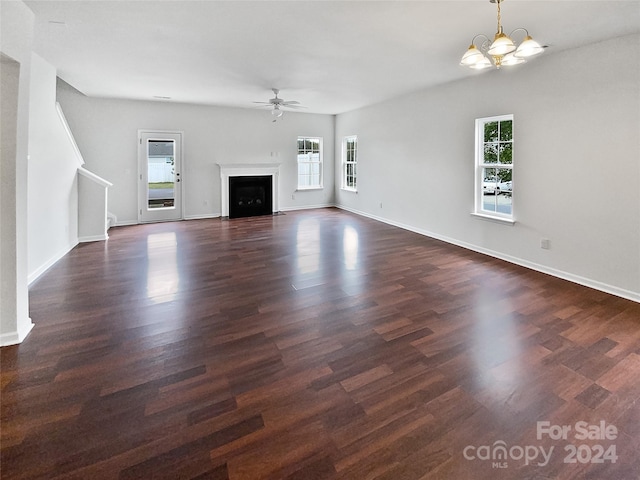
{"x": 478, "y": 212}
{"x": 343, "y": 184}
{"x": 311, "y": 187}
{"x": 484, "y": 216}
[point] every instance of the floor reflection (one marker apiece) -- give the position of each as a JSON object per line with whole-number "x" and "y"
{"x": 327, "y": 254}
{"x": 162, "y": 268}
{"x": 308, "y": 246}
{"x": 350, "y": 247}
{"x": 496, "y": 339}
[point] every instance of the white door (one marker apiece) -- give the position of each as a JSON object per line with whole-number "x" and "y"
{"x": 159, "y": 182}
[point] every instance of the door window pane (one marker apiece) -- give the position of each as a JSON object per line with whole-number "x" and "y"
{"x": 161, "y": 174}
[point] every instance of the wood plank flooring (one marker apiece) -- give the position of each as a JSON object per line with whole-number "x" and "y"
{"x": 315, "y": 345}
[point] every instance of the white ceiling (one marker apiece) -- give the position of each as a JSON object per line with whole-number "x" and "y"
{"x": 332, "y": 56}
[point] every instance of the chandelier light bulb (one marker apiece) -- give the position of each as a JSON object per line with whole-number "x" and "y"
{"x": 501, "y": 45}
{"x": 481, "y": 64}
{"x": 471, "y": 56}
{"x": 528, "y": 48}
{"x": 511, "y": 59}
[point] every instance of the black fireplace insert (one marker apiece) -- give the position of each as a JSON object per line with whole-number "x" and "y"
{"x": 250, "y": 196}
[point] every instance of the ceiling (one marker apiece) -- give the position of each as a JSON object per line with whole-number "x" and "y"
{"x": 331, "y": 56}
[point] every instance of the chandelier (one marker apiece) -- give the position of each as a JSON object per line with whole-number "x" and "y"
{"x": 503, "y": 51}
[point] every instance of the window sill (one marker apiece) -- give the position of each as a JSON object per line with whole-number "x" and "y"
{"x": 504, "y": 221}
{"x": 348, "y": 190}
{"x": 304, "y": 189}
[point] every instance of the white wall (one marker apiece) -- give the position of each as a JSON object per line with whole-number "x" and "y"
{"x": 576, "y": 155}
{"x": 106, "y": 133}
{"x": 16, "y": 38}
{"x": 53, "y": 191}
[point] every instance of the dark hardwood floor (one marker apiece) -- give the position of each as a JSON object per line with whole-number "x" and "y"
{"x": 315, "y": 345}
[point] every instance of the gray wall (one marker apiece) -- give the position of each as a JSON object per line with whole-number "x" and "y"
{"x": 16, "y": 38}
{"x": 53, "y": 190}
{"x": 106, "y": 133}
{"x": 576, "y": 155}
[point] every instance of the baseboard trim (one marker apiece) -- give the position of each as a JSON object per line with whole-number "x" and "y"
{"x": 33, "y": 276}
{"x": 586, "y": 282}
{"x": 306, "y": 207}
{"x": 202, "y": 217}
{"x": 13, "y": 338}
{"x": 125, "y": 223}
{"x": 93, "y": 238}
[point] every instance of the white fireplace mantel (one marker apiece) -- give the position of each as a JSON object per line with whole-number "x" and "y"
{"x": 247, "y": 170}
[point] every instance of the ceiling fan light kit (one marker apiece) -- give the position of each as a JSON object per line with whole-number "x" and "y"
{"x": 276, "y": 104}
{"x": 502, "y": 51}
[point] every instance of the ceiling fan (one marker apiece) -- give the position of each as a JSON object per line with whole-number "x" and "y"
{"x": 277, "y": 104}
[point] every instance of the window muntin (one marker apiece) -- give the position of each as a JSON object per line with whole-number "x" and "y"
{"x": 309, "y": 162}
{"x": 494, "y": 166}
{"x": 349, "y": 163}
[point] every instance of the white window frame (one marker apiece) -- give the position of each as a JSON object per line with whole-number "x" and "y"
{"x": 346, "y": 162}
{"x": 320, "y": 162}
{"x": 480, "y": 165}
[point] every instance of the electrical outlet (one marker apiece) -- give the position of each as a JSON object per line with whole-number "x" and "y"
{"x": 545, "y": 244}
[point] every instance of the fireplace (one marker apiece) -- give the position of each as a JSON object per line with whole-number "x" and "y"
{"x": 241, "y": 171}
{"x": 250, "y": 196}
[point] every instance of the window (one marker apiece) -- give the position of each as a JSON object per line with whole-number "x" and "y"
{"x": 494, "y": 167}
{"x": 309, "y": 162}
{"x": 349, "y": 162}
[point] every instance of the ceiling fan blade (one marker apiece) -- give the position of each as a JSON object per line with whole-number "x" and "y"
{"x": 278, "y": 102}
